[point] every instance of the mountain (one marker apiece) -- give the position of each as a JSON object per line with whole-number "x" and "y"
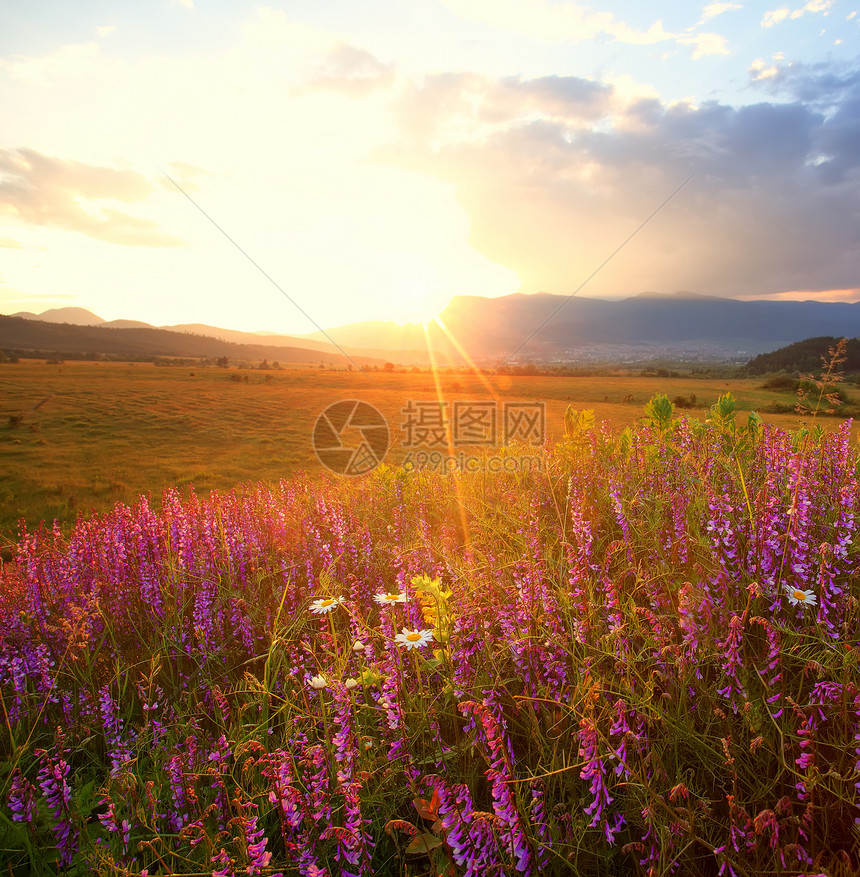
{"x": 557, "y": 326}
{"x": 516, "y": 328}
{"x": 408, "y": 350}
{"x": 125, "y": 324}
{"x": 561, "y": 323}
{"x": 37, "y": 336}
{"x": 270, "y": 339}
{"x": 553, "y": 327}
{"x": 807, "y": 357}
{"x": 73, "y": 316}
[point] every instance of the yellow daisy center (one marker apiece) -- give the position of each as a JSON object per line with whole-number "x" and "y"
{"x": 413, "y": 637}
{"x": 326, "y": 602}
{"x": 392, "y": 598}
{"x": 800, "y": 596}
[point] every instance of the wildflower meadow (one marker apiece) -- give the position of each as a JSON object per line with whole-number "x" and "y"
{"x": 639, "y": 660}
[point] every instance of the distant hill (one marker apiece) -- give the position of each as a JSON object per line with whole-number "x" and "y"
{"x": 74, "y": 316}
{"x": 523, "y": 328}
{"x": 403, "y": 355}
{"x": 36, "y": 336}
{"x": 236, "y": 337}
{"x": 805, "y": 357}
{"x": 554, "y": 327}
{"x": 127, "y": 324}
{"x": 665, "y": 320}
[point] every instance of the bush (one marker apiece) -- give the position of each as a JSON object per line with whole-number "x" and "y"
{"x": 781, "y": 382}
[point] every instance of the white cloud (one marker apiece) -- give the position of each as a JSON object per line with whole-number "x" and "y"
{"x": 188, "y": 4}
{"x": 39, "y": 190}
{"x": 105, "y": 30}
{"x": 68, "y": 60}
{"x": 573, "y": 22}
{"x": 775, "y": 16}
{"x": 814, "y": 6}
{"x": 759, "y": 70}
{"x": 705, "y": 44}
{"x": 547, "y": 21}
{"x": 714, "y": 9}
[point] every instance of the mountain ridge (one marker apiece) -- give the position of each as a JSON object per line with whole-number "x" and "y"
{"x": 543, "y": 327}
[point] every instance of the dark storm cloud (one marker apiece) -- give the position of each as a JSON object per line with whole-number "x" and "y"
{"x": 45, "y": 191}
{"x": 822, "y": 83}
{"x": 834, "y": 91}
{"x": 556, "y": 171}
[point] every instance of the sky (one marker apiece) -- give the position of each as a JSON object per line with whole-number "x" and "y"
{"x": 300, "y": 165}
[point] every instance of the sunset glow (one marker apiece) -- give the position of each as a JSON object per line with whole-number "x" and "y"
{"x": 376, "y": 159}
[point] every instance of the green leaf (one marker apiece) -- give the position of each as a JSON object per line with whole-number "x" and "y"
{"x": 659, "y": 411}
{"x": 423, "y": 843}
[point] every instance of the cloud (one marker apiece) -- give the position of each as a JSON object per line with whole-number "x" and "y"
{"x": 714, "y": 9}
{"x": 826, "y": 86}
{"x": 444, "y": 106}
{"x": 775, "y": 16}
{"x": 10, "y": 244}
{"x": 106, "y": 30}
{"x": 550, "y": 191}
{"x": 760, "y": 69}
{"x": 69, "y": 60}
{"x": 844, "y": 295}
{"x": 187, "y": 175}
{"x": 351, "y": 70}
{"x": 59, "y": 193}
{"x": 814, "y": 6}
{"x": 705, "y": 44}
{"x": 830, "y": 91}
{"x": 573, "y": 22}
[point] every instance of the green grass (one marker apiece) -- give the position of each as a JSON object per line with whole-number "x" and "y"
{"x": 109, "y": 432}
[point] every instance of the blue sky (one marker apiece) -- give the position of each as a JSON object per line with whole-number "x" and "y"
{"x": 377, "y": 157}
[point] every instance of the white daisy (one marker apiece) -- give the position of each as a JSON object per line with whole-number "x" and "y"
{"x": 318, "y": 681}
{"x": 327, "y": 604}
{"x": 797, "y": 596}
{"x": 413, "y": 639}
{"x": 385, "y": 599}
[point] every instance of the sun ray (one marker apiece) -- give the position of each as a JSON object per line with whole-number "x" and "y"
{"x": 464, "y": 353}
{"x": 434, "y": 369}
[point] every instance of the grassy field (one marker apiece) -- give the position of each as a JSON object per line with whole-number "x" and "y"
{"x": 93, "y": 434}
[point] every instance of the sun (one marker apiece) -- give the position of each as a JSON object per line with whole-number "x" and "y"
{"x": 420, "y": 296}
